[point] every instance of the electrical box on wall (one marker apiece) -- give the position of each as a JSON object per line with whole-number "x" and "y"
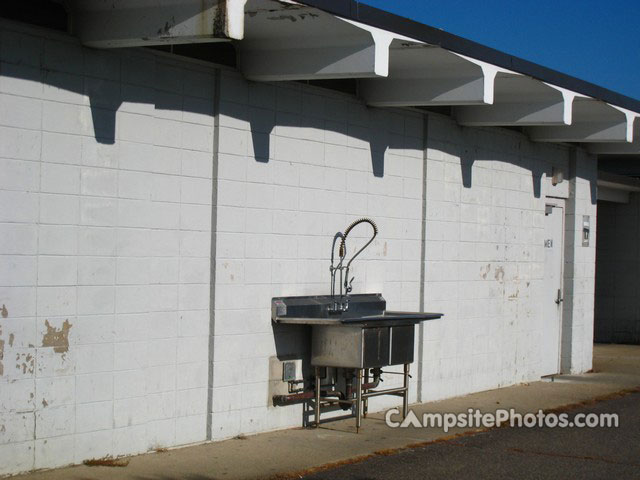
{"x": 291, "y": 370}
{"x": 285, "y": 376}
{"x": 586, "y": 227}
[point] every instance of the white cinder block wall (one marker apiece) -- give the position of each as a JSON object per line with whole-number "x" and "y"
{"x": 296, "y": 165}
{"x": 104, "y": 250}
{"x": 486, "y": 191}
{"x": 580, "y": 265}
{"x": 111, "y": 162}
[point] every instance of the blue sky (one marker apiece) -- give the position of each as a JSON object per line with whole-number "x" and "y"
{"x": 595, "y": 40}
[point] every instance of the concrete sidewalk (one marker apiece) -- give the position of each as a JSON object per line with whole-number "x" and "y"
{"x": 287, "y": 453}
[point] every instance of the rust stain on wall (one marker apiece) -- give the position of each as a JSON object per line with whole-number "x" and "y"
{"x": 57, "y": 338}
{"x": 4, "y": 311}
{"x": 1, "y": 357}
{"x": 11, "y": 338}
{"x": 499, "y": 276}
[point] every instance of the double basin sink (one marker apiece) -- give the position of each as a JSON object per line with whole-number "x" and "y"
{"x": 366, "y": 335}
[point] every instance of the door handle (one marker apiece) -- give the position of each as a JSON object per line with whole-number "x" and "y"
{"x": 559, "y": 298}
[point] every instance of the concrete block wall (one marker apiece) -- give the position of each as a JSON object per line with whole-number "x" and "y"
{"x": 111, "y": 164}
{"x": 485, "y": 201}
{"x": 105, "y": 221}
{"x": 580, "y": 265}
{"x": 617, "y": 309}
{"x": 297, "y": 164}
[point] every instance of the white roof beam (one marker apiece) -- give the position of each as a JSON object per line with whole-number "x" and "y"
{"x": 619, "y": 148}
{"x": 609, "y": 194}
{"x": 520, "y": 101}
{"x": 290, "y": 41}
{"x": 593, "y": 121}
{"x": 616, "y": 188}
{"x": 423, "y": 75}
{"x": 618, "y": 182}
{"x": 134, "y": 23}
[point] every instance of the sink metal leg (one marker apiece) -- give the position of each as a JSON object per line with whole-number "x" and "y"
{"x": 405, "y": 397}
{"x": 365, "y": 403}
{"x": 316, "y": 405}
{"x": 358, "y": 398}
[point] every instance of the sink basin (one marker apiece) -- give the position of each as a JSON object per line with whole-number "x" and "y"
{"x": 367, "y": 309}
{"x": 367, "y": 335}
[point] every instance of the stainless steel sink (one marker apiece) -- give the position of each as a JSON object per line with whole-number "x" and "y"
{"x": 367, "y": 309}
{"x": 352, "y": 333}
{"x": 365, "y": 336}
{"x": 360, "y": 336}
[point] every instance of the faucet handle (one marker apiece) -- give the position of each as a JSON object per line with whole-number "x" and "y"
{"x": 348, "y": 286}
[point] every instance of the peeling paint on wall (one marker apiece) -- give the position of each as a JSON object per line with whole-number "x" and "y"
{"x": 283, "y": 17}
{"x": 165, "y": 30}
{"x": 57, "y": 338}
{"x": 499, "y": 275}
{"x": 25, "y": 362}
{"x": 484, "y": 271}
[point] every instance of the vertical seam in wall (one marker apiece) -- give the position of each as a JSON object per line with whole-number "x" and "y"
{"x": 212, "y": 280}
{"x": 38, "y": 231}
{"x": 423, "y": 251}
{"x": 568, "y": 280}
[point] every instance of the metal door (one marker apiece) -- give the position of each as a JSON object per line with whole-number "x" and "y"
{"x": 553, "y": 293}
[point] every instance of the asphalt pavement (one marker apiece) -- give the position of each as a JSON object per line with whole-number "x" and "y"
{"x": 523, "y": 453}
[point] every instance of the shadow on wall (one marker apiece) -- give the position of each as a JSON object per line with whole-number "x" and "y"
{"x": 617, "y": 292}
{"x": 293, "y": 341}
{"x": 105, "y": 93}
{"x": 524, "y": 153}
{"x": 262, "y": 126}
{"x": 469, "y": 156}
{"x": 105, "y": 97}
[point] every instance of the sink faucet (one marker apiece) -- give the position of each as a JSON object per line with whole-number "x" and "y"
{"x": 341, "y": 303}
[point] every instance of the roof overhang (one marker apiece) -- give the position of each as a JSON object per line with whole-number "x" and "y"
{"x": 399, "y": 62}
{"x": 616, "y": 188}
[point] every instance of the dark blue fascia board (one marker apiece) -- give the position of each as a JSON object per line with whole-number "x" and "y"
{"x": 375, "y": 17}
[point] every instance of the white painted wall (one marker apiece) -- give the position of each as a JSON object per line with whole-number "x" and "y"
{"x": 110, "y": 165}
{"x": 110, "y": 235}
{"x": 486, "y": 191}
{"x": 580, "y": 265}
{"x": 296, "y": 165}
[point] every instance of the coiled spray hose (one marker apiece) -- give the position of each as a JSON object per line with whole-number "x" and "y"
{"x": 342, "y": 251}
